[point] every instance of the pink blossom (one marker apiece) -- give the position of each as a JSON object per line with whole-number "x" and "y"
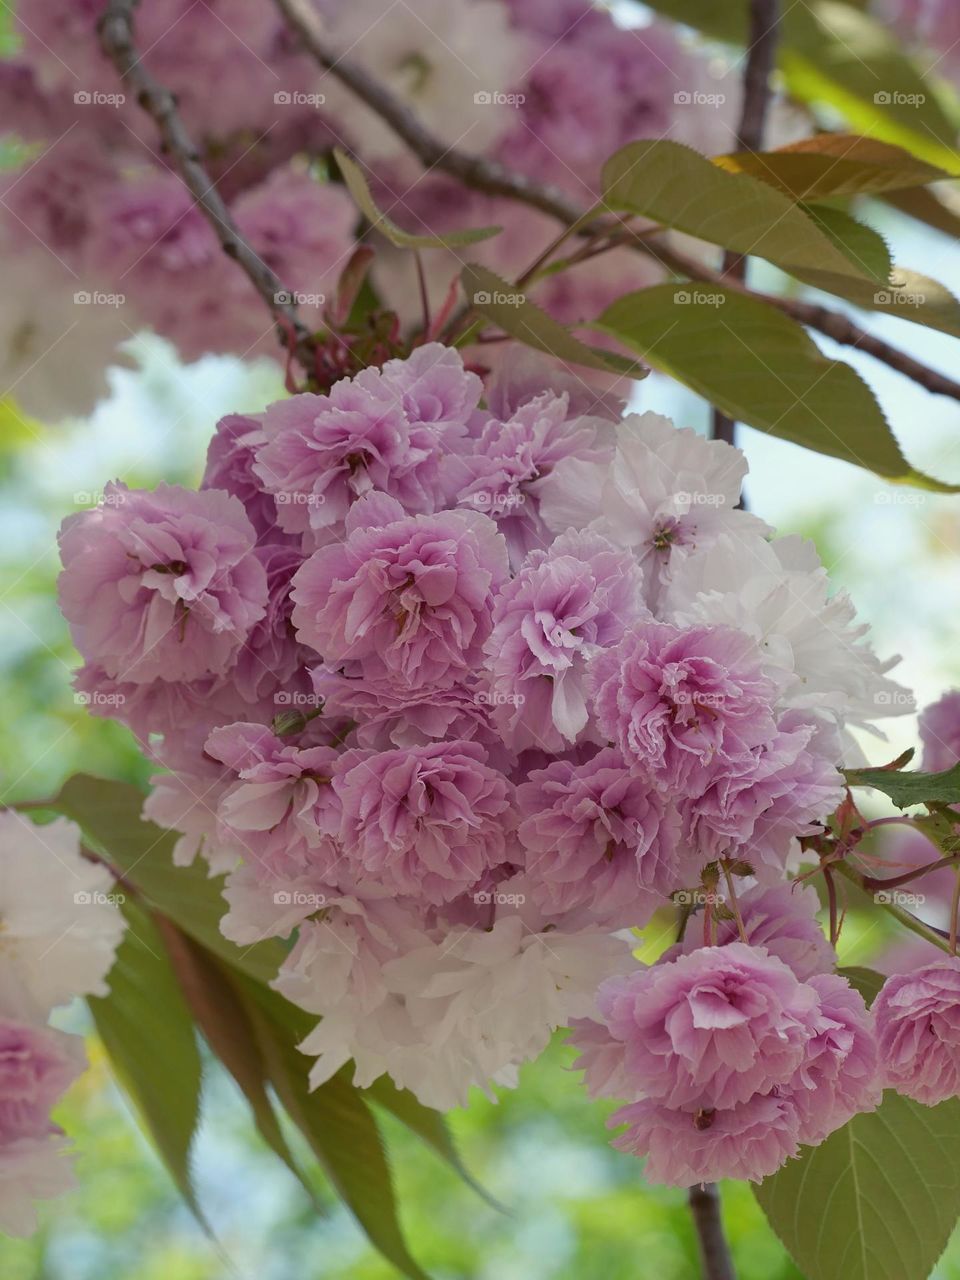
{"x": 686, "y": 1146}
{"x": 230, "y": 458}
{"x": 757, "y": 803}
{"x": 782, "y": 918}
{"x": 162, "y": 585}
{"x": 282, "y": 813}
{"x": 839, "y": 1077}
{"x": 597, "y": 837}
{"x": 918, "y": 1031}
{"x": 710, "y": 1028}
{"x": 564, "y": 606}
{"x": 940, "y": 733}
{"x": 36, "y": 1066}
{"x": 385, "y": 429}
{"x": 271, "y": 663}
{"x": 503, "y": 473}
{"x": 425, "y": 821}
{"x": 682, "y": 704}
{"x": 408, "y": 601}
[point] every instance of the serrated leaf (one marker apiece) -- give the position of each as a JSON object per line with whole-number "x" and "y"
{"x": 906, "y": 788}
{"x": 834, "y": 164}
{"x": 908, "y": 295}
{"x": 857, "y": 241}
{"x": 676, "y": 186}
{"x": 109, "y": 815}
{"x": 876, "y": 1201}
{"x": 340, "y": 1129}
{"x": 513, "y": 312}
{"x": 363, "y": 198}
{"x": 760, "y": 367}
{"x": 147, "y": 1031}
{"x": 938, "y": 209}
{"x": 221, "y": 1014}
{"x": 867, "y": 981}
{"x": 834, "y": 53}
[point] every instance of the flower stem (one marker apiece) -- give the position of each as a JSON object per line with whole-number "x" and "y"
{"x": 716, "y": 1262}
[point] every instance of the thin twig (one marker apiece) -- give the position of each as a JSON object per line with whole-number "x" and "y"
{"x": 715, "y": 1260}
{"x": 929, "y": 932}
{"x": 119, "y": 44}
{"x": 761, "y": 48}
{"x": 492, "y": 178}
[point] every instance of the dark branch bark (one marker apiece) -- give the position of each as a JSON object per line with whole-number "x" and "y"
{"x": 715, "y": 1260}
{"x": 119, "y": 44}
{"x": 494, "y": 179}
{"x": 761, "y": 49}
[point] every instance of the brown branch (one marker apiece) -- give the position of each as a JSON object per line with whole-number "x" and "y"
{"x": 833, "y": 324}
{"x": 117, "y": 39}
{"x": 761, "y": 49}
{"x": 715, "y": 1260}
{"x": 494, "y": 179}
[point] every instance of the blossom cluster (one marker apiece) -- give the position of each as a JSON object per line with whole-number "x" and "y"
{"x": 61, "y": 927}
{"x": 458, "y": 684}
{"x": 104, "y": 240}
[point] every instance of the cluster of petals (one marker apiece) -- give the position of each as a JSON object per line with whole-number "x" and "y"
{"x": 457, "y": 737}
{"x": 61, "y": 927}
{"x": 728, "y": 1061}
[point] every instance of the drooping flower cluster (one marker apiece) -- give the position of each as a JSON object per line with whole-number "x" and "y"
{"x": 454, "y": 725}
{"x": 96, "y": 214}
{"x": 61, "y": 928}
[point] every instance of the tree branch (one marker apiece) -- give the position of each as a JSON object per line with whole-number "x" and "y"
{"x": 715, "y": 1260}
{"x": 118, "y": 41}
{"x": 492, "y": 178}
{"x": 761, "y": 48}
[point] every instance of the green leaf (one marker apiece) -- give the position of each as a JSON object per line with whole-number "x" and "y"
{"x": 833, "y": 53}
{"x": 858, "y": 242}
{"x": 147, "y": 1032}
{"x": 358, "y": 187}
{"x": 906, "y": 788}
{"x": 938, "y": 209}
{"x": 109, "y": 815}
{"x": 876, "y": 1201}
{"x": 513, "y": 312}
{"x": 867, "y": 981}
{"x": 908, "y": 295}
{"x": 760, "y": 367}
{"x": 833, "y": 164}
{"x": 340, "y": 1128}
{"x": 676, "y": 186}
{"x": 221, "y": 1014}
